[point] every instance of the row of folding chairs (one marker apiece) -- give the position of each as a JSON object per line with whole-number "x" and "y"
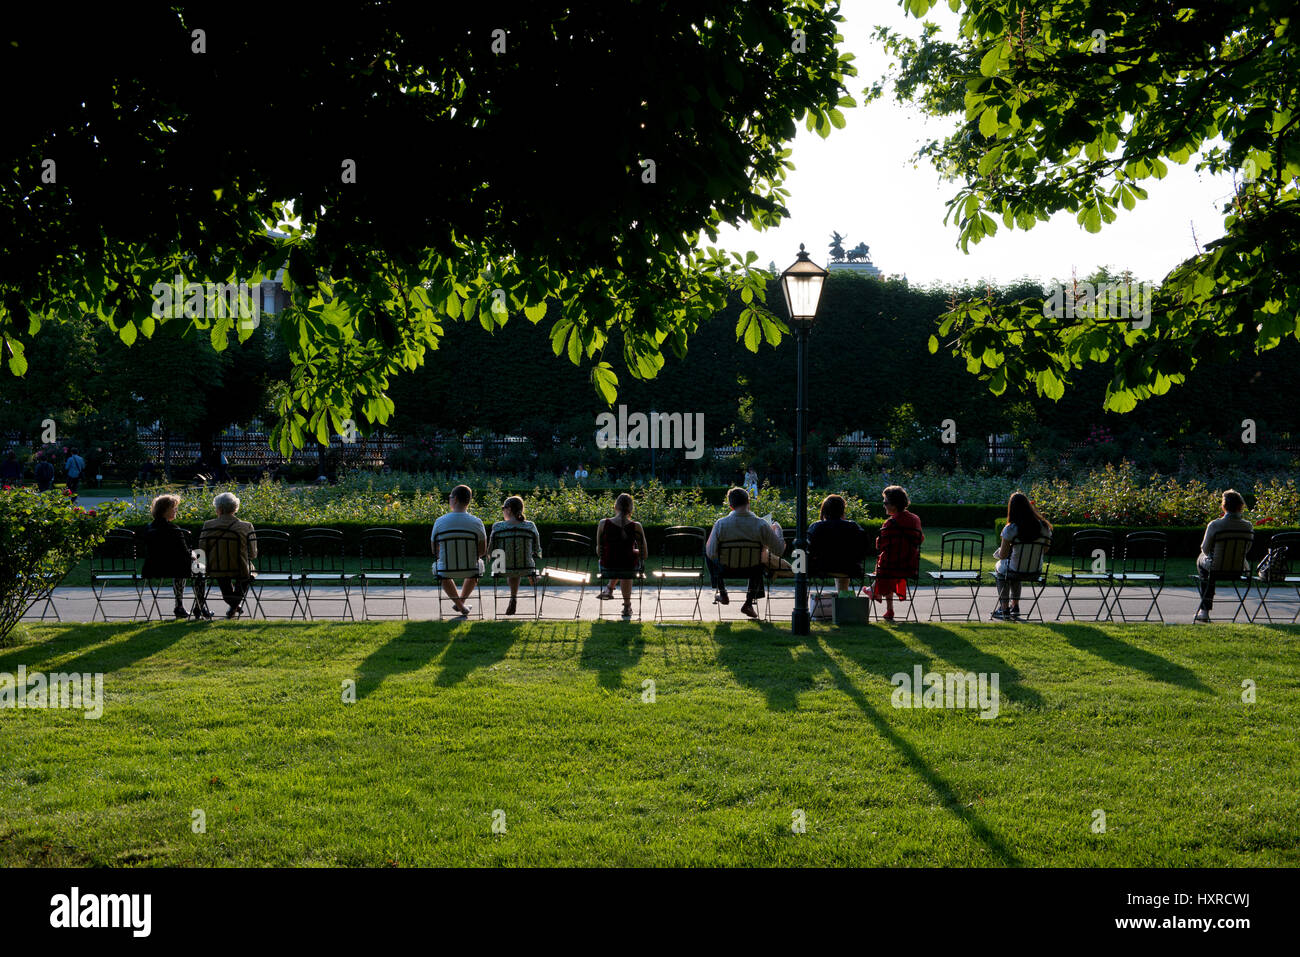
{"x": 311, "y": 566}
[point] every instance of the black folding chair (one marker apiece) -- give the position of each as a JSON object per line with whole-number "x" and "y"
{"x": 457, "y": 557}
{"x": 113, "y": 564}
{"x": 277, "y": 567}
{"x": 568, "y": 563}
{"x": 1027, "y": 568}
{"x": 158, "y": 586}
{"x": 1143, "y": 567}
{"x": 324, "y": 563}
{"x": 1092, "y": 557}
{"x": 741, "y": 560}
{"x": 900, "y": 561}
{"x": 225, "y": 552}
{"x": 682, "y": 562}
{"x": 383, "y": 565}
{"x": 1284, "y": 573}
{"x": 961, "y": 564}
{"x": 1229, "y": 565}
{"x": 511, "y": 555}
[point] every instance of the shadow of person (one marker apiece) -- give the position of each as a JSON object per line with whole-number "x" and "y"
{"x": 458, "y": 650}
{"x": 947, "y": 643}
{"x": 1104, "y": 645}
{"x": 610, "y": 649}
{"x": 102, "y": 648}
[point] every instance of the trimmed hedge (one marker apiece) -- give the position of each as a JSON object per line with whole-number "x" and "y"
{"x": 1183, "y": 541}
{"x": 417, "y": 536}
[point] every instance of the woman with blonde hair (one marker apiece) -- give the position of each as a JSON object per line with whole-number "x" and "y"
{"x": 621, "y": 545}
{"x": 167, "y": 554}
{"x": 512, "y": 519}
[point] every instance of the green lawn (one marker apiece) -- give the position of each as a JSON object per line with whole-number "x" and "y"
{"x": 546, "y": 722}
{"x": 420, "y": 567}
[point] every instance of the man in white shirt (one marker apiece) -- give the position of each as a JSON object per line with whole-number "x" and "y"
{"x": 458, "y": 519}
{"x": 740, "y": 525}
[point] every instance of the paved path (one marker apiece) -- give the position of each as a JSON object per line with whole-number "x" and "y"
{"x": 1177, "y": 605}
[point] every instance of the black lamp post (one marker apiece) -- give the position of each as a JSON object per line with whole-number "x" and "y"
{"x": 802, "y": 283}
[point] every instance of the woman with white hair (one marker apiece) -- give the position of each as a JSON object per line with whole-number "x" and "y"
{"x": 229, "y": 547}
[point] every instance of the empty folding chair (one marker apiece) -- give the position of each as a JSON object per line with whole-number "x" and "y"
{"x": 323, "y": 564}
{"x": 1229, "y": 565}
{"x": 457, "y": 554}
{"x": 568, "y": 565}
{"x": 383, "y": 565}
{"x": 1279, "y": 570}
{"x": 113, "y": 565}
{"x": 776, "y": 570}
{"x": 1141, "y": 569}
{"x": 512, "y": 555}
{"x": 278, "y": 570}
{"x": 961, "y": 565}
{"x": 681, "y": 566}
{"x": 1026, "y": 567}
{"x": 1092, "y": 558}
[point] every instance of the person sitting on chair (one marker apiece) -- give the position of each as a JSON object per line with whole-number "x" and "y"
{"x": 229, "y": 548}
{"x": 621, "y": 545}
{"x": 898, "y": 549}
{"x": 512, "y": 517}
{"x": 167, "y": 555}
{"x": 740, "y": 524}
{"x": 458, "y": 519}
{"x": 835, "y": 544}
{"x": 1024, "y": 522}
{"x": 1232, "y": 505}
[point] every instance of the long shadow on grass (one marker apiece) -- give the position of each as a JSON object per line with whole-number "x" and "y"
{"x": 610, "y": 649}
{"x": 781, "y": 665}
{"x": 100, "y": 648}
{"x": 1093, "y": 640}
{"x": 459, "y": 649}
{"x": 949, "y": 645}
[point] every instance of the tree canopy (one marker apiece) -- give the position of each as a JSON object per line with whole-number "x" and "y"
{"x": 1073, "y": 105}
{"x": 426, "y": 164}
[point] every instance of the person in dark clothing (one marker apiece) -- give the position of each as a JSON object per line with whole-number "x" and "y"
{"x": 44, "y": 473}
{"x": 167, "y": 555}
{"x": 621, "y": 545}
{"x": 11, "y": 470}
{"x": 836, "y": 544}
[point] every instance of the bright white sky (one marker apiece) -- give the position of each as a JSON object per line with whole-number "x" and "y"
{"x": 861, "y": 181}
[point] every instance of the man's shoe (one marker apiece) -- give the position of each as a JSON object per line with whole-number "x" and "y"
{"x": 180, "y": 613}
{"x": 999, "y": 615}
{"x": 233, "y": 612}
{"x": 721, "y": 598}
{"x": 1202, "y": 616}
{"x": 510, "y": 608}
{"x": 748, "y": 609}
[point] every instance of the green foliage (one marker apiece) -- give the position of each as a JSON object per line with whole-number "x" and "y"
{"x": 1070, "y": 107}
{"x": 42, "y": 536}
{"x": 486, "y": 184}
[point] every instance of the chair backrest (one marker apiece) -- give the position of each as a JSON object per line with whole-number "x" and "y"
{"x": 1291, "y": 542}
{"x": 1145, "y": 553}
{"x": 515, "y": 547}
{"x": 383, "y": 550}
{"x": 570, "y": 552}
{"x": 961, "y": 550}
{"x": 223, "y": 549}
{"x": 1084, "y": 549}
{"x": 116, "y": 555}
{"x": 321, "y": 551}
{"x": 683, "y": 548}
{"x": 275, "y": 551}
{"x": 1230, "y": 551}
{"x": 740, "y": 554}
{"x": 457, "y": 551}
{"x": 1029, "y": 557}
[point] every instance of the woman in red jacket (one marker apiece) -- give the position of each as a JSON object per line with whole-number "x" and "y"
{"x": 898, "y": 549}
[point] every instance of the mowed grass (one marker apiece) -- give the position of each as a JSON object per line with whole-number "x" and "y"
{"x": 549, "y": 724}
